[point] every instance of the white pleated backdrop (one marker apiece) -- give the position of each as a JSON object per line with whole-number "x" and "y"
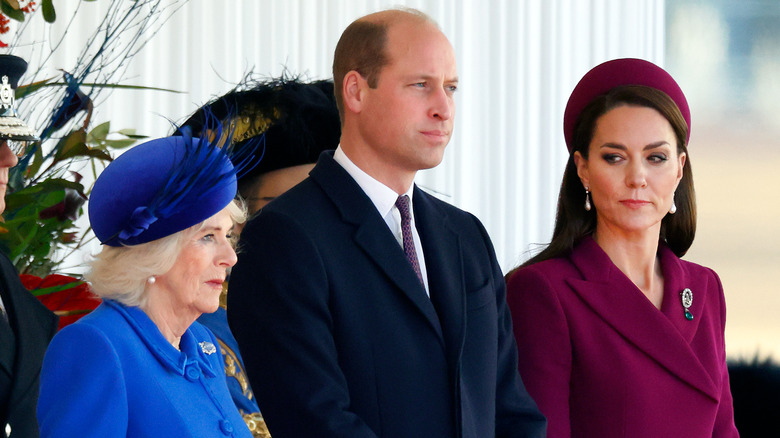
{"x": 518, "y": 60}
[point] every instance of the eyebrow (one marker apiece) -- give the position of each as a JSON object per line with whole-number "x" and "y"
{"x": 428, "y": 77}
{"x": 653, "y": 145}
{"x": 215, "y": 228}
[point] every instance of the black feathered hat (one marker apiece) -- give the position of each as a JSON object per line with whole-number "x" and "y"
{"x": 299, "y": 120}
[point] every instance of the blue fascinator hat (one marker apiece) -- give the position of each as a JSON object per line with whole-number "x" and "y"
{"x": 161, "y": 187}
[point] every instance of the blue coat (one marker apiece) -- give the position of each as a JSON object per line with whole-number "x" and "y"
{"x": 113, "y": 374}
{"x": 339, "y": 337}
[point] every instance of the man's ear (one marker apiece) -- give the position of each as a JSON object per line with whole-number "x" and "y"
{"x": 353, "y": 91}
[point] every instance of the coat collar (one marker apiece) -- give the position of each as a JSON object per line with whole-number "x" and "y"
{"x": 193, "y": 348}
{"x": 372, "y": 235}
{"x": 663, "y": 335}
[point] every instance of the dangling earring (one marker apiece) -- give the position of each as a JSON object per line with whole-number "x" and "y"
{"x": 151, "y": 279}
{"x": 673, "y": 208}
{"x": 587, "y": 199}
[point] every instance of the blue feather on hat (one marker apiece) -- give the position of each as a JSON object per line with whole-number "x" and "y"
{"x": 166, "y": 185}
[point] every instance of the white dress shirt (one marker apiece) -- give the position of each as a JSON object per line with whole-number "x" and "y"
{"x": 384, "y": 199}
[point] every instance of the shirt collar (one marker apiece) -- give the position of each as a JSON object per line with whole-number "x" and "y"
{"x": 382, "y": 196}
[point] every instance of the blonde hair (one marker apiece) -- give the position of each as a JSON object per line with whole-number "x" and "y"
{"x": 121, "y": 273}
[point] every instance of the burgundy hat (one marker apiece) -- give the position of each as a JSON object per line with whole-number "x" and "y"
{"x": 619, "y": 72}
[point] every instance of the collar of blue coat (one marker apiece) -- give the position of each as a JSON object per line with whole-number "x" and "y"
{"x": 175, "y": 360}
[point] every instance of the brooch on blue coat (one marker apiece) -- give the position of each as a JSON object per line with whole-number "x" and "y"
{"x": 207, "y": 347}
{"x": 686, "y": 296}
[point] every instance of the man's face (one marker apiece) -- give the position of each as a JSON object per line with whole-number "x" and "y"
{"x": 407, "y": 120}
{"x": 7, "y": 160}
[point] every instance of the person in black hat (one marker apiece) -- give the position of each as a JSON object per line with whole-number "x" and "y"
{"x": 26, "y": 325}
{"x": 296, "y": 121}
{"x": 139, "y": 365}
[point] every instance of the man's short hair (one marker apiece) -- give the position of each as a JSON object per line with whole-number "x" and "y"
{"x": 362, "y": 48}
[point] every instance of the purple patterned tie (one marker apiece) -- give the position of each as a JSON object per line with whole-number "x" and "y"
{"x": 402, "y": 203}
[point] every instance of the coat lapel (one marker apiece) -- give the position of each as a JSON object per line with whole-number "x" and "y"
{"x": 34, "y": 325}
{"x": 444, "y": 262}
{"x": 371, "y": 233}
{"x": 676, "y": 279}
{"x": 615, "y": 299}
{"x": 7, "y": 343}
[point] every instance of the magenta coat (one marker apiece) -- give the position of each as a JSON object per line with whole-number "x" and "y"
{"x": 601, "y": 361}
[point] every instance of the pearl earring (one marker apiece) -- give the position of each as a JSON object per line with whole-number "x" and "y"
{"x": 673, "y": 208}
{"x": 151, "y": 279}
{"x": 587, "y": 200}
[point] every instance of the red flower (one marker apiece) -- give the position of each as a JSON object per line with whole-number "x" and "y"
{"x": 67, "y": 297}
{"x": 29, "y": 8}
{"x": 4, "y": 24}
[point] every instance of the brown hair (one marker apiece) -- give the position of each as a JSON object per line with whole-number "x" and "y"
{"x": 362, "y": 48}
{"x": 573, "y": 222}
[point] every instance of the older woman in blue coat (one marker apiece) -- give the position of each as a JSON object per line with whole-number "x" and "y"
{"x": 139, "y": 365}
{"x": 617, "y": 335}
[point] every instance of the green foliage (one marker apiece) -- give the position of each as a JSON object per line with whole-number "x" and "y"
{"x": 47, "y": 8}
{"x": 45, "y": 193}
{"x": 42, "y": 205}
{"x": 11, "y": 9}
{"x": 27, "y": 239}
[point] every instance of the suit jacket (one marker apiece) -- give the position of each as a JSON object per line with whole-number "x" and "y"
{"x": 112, "y": 374}
{"x": 339, "y": 337}
{"x": 602, "y": 361}
{"x": 33, "y": 326}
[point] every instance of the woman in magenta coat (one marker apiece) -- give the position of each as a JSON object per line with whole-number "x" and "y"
{"x": 617, "y": 336}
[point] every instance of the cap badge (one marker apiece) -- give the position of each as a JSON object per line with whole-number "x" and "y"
{"x": 6, "y": 94}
